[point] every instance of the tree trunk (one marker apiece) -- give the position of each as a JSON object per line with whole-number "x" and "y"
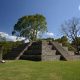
{"x": 1, "y": 52}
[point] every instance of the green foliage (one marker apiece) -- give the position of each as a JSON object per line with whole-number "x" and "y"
{"x": 7, "y": 46}
{"x": 49, "y": 39}
{"x": 78, "y": 41}
{"x": 30, "y": 26}
{"x": 63, "y": 40}
{"x": 46, "y": 39}
{"x": 71, "y": 48}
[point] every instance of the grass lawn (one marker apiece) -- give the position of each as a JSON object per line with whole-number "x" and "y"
{"x": 28, "y": 70}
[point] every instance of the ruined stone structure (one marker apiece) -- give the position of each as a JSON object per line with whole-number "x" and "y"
{"x": 42, "y": 51}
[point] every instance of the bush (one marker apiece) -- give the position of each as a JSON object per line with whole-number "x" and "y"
{"x": 7, "y": 46}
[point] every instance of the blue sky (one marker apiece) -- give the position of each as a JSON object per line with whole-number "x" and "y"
{"x": 55, "y": 11}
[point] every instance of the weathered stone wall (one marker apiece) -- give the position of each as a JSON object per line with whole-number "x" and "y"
{"x": 50, "y": 57}
{"x": 40, "y": 51}
{"x": 48, "y": 54}
{"x": 43, "y": 51}
{"x": 33, "y": 52}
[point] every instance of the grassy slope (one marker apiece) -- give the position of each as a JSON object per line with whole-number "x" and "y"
{"x": 28, "y": 70}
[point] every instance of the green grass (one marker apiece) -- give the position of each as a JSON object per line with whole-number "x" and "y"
{"x": 28, "y": 70}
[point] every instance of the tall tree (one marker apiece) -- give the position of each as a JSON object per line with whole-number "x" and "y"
{"x": 71, "y": 29}
{"x": 30, "y": 26}
{"x": 2, "y": 39}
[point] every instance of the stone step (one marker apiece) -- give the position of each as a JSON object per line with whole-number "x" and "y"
{"x": 34, "y": 47}
{"x": 11, "y": 55}
{"x": 66, "y": 48}
{"x": 60, "y": 44}
{"x": 75, "y": 57}
{"x": 32, "y": 52}
{"x": 45, "y": 42}
{"x": 47, "y": 47}
{"x": 71, "y": 52}
{"x": 64, "y": 53}
{"x": 50, "y": 57}
{"x": 51, "y": 52}
{"x": 36, "y": 43}
{"x": 31, "y": 57}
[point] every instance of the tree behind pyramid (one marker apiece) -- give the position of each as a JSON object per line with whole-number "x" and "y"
{"x": 30, "y": 26}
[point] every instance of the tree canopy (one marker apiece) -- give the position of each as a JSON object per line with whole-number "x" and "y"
{"x": 30, "y": 26}
{"x": 71, "y": 29}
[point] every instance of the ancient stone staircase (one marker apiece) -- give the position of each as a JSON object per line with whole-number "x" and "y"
{"x": 15, "y": 52}
{"x": 61, "y": 51}
{"x": 33, "y": 52}
{"x": 48, "y": 53}
{"x": 65, "y": 54}
{"x": 41, "y": 51}
{"x": 22, "y": 52}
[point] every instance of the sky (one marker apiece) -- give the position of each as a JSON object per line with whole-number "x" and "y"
{"x": 55, "y": 11}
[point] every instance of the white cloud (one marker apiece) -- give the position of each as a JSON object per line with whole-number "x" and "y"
{"x": 14, "y": 38}
{"x": 79, "y": 7}
{"x": 11, "y": 38}
{"x": 50, "y": 34}
{"x": 3, "y": 34}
